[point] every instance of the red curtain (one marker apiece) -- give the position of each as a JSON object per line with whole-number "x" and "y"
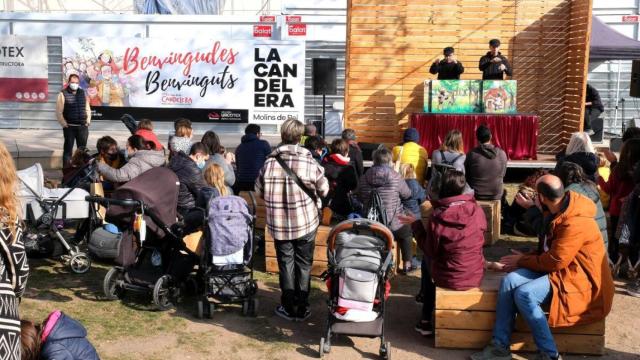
{"x": 517, "y": 134}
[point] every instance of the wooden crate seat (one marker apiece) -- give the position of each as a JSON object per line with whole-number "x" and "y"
{"x": 465, "y": 320}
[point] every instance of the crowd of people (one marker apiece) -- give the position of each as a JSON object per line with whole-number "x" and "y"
{"x": 434, "y": 203}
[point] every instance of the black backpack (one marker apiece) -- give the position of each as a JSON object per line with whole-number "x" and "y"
{"x": 374, "y": 208}
{"x": 439, "y": 170}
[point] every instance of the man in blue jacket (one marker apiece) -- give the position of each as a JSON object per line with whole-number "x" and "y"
{"x": 250, "y": 157}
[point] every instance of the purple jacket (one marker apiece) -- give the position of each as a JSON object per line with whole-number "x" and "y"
{"x": 392, "y": 189}
{"x": 453, "y": 241}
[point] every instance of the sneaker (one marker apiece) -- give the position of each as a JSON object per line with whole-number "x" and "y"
{"x": 493, "y": 351}
{"x": 633, "y": 289}
{"x": 283, "y": 313}
{"x": 303, "y": 315}
{"x": 424, "y": 328}
{"x": 545, "y": 356}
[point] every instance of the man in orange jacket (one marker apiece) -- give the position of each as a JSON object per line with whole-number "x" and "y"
{"x": 569, "y": 272}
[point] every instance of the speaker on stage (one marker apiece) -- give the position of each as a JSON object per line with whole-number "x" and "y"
{"x": 324, "y": 76}
{"x": 634, "y": 88}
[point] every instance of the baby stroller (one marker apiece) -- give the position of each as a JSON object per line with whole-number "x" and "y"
{"x": 227, "y": 266}
{"x": 153, "y": 257}
{"x": 41, "y": 207}
{"x": 360, "y": 256}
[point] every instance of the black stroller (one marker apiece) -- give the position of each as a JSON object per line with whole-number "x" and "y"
{"x": 227, "y": 263}
{"x": 360, "y": 257}
{"x": 152, "y": 254}
{"x": 41, "y": 207}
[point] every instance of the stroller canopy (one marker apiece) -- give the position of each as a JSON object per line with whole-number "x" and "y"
{"x": 157, "y": 188}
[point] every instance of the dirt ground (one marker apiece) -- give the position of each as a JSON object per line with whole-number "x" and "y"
{"x": 132, "y": 330}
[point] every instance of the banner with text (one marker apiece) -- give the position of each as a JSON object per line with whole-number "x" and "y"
{"x": 24, "y": 74}
{"x": 205, "y": 80}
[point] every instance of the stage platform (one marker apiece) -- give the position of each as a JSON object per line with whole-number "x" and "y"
{"x": 544, "y": 161}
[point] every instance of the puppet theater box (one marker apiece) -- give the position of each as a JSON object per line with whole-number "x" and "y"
{"x": 470, "y": 96}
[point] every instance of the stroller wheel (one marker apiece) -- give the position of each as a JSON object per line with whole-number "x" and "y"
{"x": 385, "y": 351}
{"x": 245, "y": 307}
{"x": 80, "y": 263}
{"x": 253, "y": 309}
{"x": 200, "y": 309}
{"x": 110, "y": 284}
{"x": 162, "y": 298}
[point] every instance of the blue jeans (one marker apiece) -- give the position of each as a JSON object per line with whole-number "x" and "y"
{"x": 523, "y": 291}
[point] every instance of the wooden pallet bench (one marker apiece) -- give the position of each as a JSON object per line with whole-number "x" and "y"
{"x": 319, "y": 255}
{"x": 491, "y": 210}
{"x": 465, "y": 320}
{"x": 260, "y": 209}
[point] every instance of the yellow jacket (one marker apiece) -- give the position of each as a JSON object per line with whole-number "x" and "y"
{"x": 414, "y": 154}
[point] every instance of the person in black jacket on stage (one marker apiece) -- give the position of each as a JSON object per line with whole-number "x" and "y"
{"x": 494, "y": 65}
{"x": 448, "y": 68}
{"x": 593, "y": 109}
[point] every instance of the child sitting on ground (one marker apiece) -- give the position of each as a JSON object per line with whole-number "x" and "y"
{"x": 452, "y": 240}
{"x": 58, "y": 338}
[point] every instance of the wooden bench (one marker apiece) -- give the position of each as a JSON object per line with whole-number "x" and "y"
{"x": 493, "y": 213}
{"x": 260, "y": 209}
{"x": 465, "y": 320}
{"x": 319, "y": 254}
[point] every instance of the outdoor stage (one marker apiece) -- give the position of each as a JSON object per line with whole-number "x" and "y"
{"x": 392, "y": 43}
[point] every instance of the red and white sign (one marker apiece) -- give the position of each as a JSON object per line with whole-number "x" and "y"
{"x": 267, "y": 19}
{"x": 262, "y": 31}
{"x": 292, "y": 19}
{"x": 24, "y": 74}
{"x": 631, "y": 18}
{"x": 297, "y": 29}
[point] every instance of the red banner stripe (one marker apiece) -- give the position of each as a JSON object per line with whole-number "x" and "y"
{"x": 24, "y": 89}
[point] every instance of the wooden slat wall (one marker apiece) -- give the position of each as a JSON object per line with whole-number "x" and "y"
{"x": 392, "y": 43}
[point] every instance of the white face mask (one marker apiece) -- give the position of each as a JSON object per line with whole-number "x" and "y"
{"x": 74, "y": 86}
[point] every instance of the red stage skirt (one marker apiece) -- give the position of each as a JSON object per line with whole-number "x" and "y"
{"x": 516, "y": 134}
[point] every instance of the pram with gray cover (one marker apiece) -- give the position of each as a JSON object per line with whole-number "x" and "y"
{"x": 360, "y": 257}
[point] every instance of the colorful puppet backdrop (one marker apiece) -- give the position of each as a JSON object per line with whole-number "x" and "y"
{"x": 499, "y": 96}
{"x": 453, "y": 96}
{"x": 203, "y": 79}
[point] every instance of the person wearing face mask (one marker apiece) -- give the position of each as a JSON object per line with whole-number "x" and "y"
{"x": 74, "y": 115}
{"x": 188, "y": 169}
{"x": 141, "y": 155}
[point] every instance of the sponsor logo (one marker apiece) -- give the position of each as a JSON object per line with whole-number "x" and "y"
{"x": 294, "y": 19}
{"x": 262, "y": 31}
{"x": 267, "y": 18}
{"x": 225, "y": 115}
{"x": 297, "y": 29}
{"x": 168, "y": 99}
{"x": 631, "y": 18}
